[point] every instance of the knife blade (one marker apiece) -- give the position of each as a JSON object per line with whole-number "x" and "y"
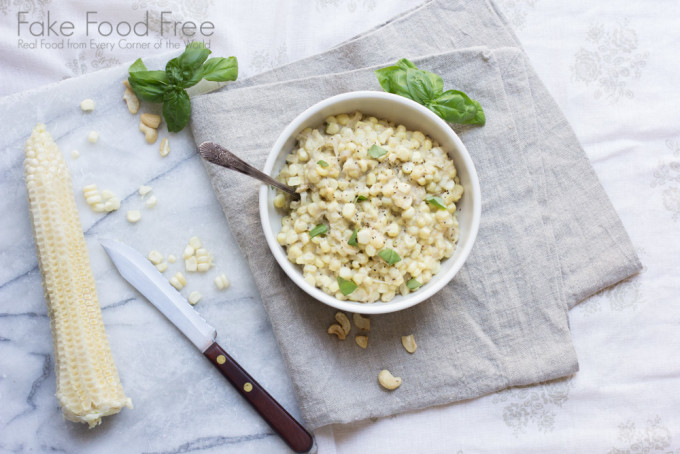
{"x": 142, "y": 275}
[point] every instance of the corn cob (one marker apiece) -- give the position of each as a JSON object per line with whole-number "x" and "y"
{"x": 88, "y": 386}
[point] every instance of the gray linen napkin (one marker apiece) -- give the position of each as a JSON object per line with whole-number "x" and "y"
{"x": 502, "y": 321}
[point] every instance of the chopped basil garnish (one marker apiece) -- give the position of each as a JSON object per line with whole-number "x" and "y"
{"x": 346, "y": 287}
{"x": 360, "y": 198}
{"x": 322, "y": 163}
{"x": 318, "y": 230}
{"x": 353, "y": 238}
{"x": 413, "y": 284}
{"x": 389, "y": 256}
{"x": 376, "y": 151}
{"x": 436, "y": 201}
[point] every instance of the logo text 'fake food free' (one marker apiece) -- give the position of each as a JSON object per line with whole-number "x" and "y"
{"x": 93, "y": 25}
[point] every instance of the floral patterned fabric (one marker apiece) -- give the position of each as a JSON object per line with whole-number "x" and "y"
{"x": 613, "y": 69}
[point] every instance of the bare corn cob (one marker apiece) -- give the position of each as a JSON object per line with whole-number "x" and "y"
{"x": 88, "y": 386}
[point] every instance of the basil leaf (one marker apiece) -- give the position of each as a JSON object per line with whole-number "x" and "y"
{"x": 322, "y": 163}
{"x": 423, "y": 86}
{"x": 480, "y": 118}
{"x": 193, "y": 56}
{"x": 176, "y": 109}
{"x": 318, "y": 230}
{"x": 456, "y": 107}
{"x": 389, "y": 256}
{"x": 353, "y": 238}
{"x": 167, "y": 86}
{"x": 346, "y": 287}
{"x": 138, "y": 65}
{"x": 187, "y": 70}
{"x": 149, "y": 85}
{"x": 405, "y": 63}
{"x": 360, "y": 198}
{"x": 393, "y": 80}
{"x": 413, "y": 284}
{"x": 426, "y": 88}
{"x": 376, "y": 151}
{"x": 436, "y": 201}
{"x": 182, "y": 76}
{"x": 220, "y": 69}
{"x": 174, "y": 72}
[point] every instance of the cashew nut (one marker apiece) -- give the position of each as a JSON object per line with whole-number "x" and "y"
{"x": 165, "y": 147}
{"x": 362, "y": 341}
{"x": 130, "y": 99}
{"x": 409, "y": 343}
{"x": 150, "y": 134}
{"x": 344, "y": 322}
{"x": 151, "y": 120}
{"x": 362, "y": 322}
{"x": 388, "y": 381}
{"x": 337, "y": 330}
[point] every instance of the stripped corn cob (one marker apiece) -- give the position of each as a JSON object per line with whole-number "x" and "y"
{"x": 88, "y": 386}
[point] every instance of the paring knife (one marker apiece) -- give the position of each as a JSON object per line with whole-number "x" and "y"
{"x": 139, "y": 272}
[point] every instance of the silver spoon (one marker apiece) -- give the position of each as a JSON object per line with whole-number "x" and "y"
{"x": 219, "y": 155}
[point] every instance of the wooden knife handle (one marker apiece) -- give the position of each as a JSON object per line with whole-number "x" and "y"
{"x": 292, "y": 432}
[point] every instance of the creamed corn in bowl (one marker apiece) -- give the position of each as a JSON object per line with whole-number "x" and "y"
{"x": 377, "y": 213}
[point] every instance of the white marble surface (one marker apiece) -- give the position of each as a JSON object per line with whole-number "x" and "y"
{"x": 180, "y": 401}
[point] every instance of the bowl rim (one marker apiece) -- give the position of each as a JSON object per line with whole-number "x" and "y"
{"x": 378, "y": 307}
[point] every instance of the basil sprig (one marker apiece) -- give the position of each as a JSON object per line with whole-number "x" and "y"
{"x": 427, "y": 88}
{"x": 169, "y": 86}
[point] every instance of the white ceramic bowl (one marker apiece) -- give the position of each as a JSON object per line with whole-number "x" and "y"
{"x": 416, "y": 118}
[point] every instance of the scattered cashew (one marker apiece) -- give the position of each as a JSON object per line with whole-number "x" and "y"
{"x": 130, "y": 99}
{"x": 344, "y": 322}
{"x": 151, "y": 120}
{"x": 165, "y": 147}
{"x": 362, "y": 341}
{"x": 409, "y": 343}
{"x": 362, "y": 322}
{"x": 150, "y": 134}
{"x": 388, "y": 381}
{"x": 337, "y": 330}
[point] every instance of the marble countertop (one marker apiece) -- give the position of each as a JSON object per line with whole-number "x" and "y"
{"x": 181, "y": 402}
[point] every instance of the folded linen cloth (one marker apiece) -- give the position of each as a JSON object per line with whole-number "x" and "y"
{"x": 548, "y": 235}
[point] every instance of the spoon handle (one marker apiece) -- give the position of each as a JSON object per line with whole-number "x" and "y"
{"x": 219, "y": 155}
